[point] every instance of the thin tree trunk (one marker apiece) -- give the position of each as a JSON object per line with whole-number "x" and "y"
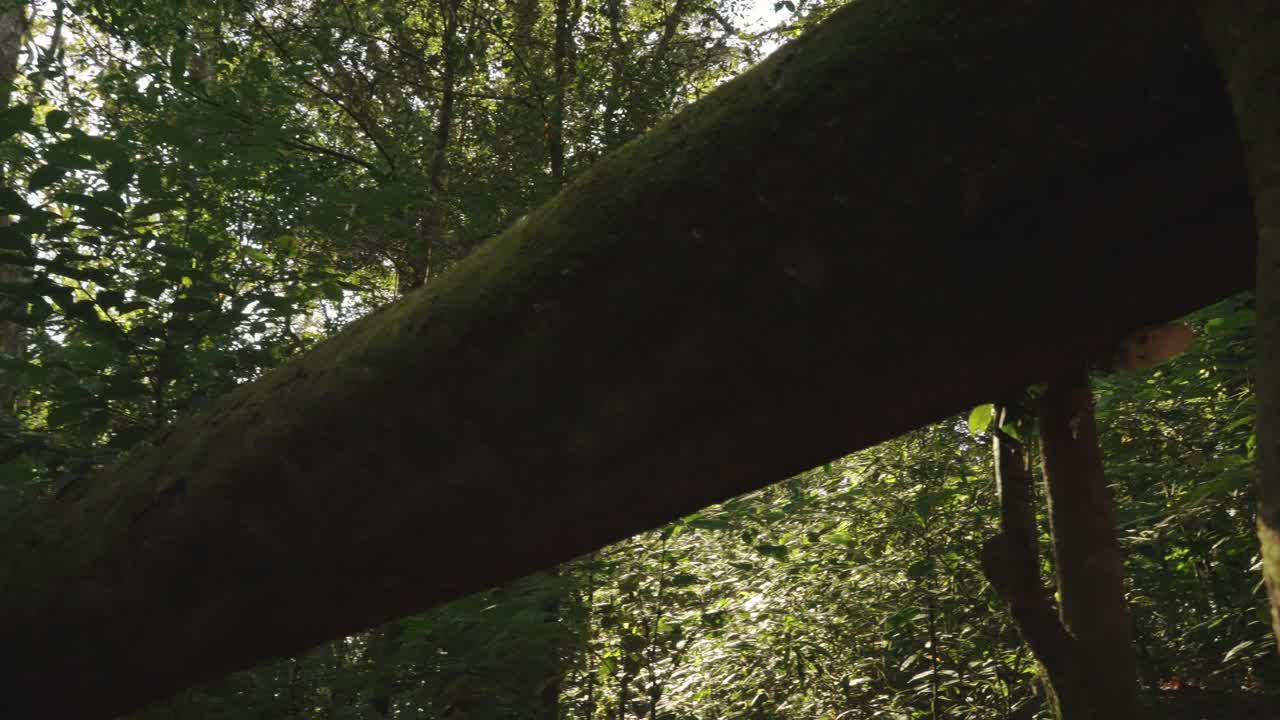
{"x": 13, "y": 337}
{"x": 931, "y": 609}
{"x": 615, "y": 94}
{"x": 334, "y": 678}
{"x": 588, "y": 602}
{"x": 432, "y": 227}
{"x": 1245, "y": 36}
{"x": 550, "y": 709}
{"x": 555, "y": 133}
{"x": 1017, "y": 513}
{"x": 1011, "y": 561}
{"x": 51, "y": 54}
{"x": 294, "y": 686}
{"x": 1090, "y": 566}
{"x": 384, "y": 668}
{"x": 13, "y": 23}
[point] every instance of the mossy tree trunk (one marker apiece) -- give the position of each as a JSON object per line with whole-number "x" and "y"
{"x": 740, "y": 295}
{"x": 1085, "y": 650}
{"x": 1245, "y": 35}
{"x": 1087, "y": 556}
{"x": 1011, "y": 562}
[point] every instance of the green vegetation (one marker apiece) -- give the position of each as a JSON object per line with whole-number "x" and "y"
{"x": 851, "y": 591}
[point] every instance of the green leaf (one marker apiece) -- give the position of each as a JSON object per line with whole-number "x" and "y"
{"x": 684, "y": 580}
{"x": 332, "y": 292}
{"x": 118, "y": 174}
{"x": 923, "y": 673}
{"x": 84, "y": 151}
{"x": 109, "y": 298}
{"x": 101, "y": 218}
{"x": 81, "y": 309}
{"x": 1012, "y": 430}
{"x": 632, "y": 642}
{"x": 55, "y": 120}
{"x": 980, "y": 418}
{"x": 178, "y": 62}
{"x": 45, "y": 176}
{"x": 70, "y": 153}
{"x": 11, "y": 201}
{"x": 777, "y": 552}
{"x": 151, "y": 180}
{"x": 14, "y": 239}
{"x": 62, "y": 230}
{"x": 1240, "y": 647}
{"x": 925, "y": 504}
{"x": 176, "y": 252}
{"x": 14, "y": 120}
{"x": 129, "y": 436}
{"x": 1242, "y": 421}
{"x": 69, "y": 414}
{"x": 105, "y": 149}
{"x": 124, "y": 389}
{"x": 79, "y": 200}
{"x": 189, "y": 305}
{"x": 152, "y": 207}
{"x": 17, "y": 472}
{"x": 151, "y": 287}
{"x": 706, "y": 523}
{"x": 60, "y": 293}
{"x": 920, "y": 569}
{"x": 34, "y": 222}
{"x": 1218, "y": 486}
{"x": 110, "y": 200}
{"x": 92, "y": 274}
{"x": 1231, "y": 323}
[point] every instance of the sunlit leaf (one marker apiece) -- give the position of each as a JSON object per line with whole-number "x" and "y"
{"x": 980, "y": 418}
{"x": 1239, "y": 647}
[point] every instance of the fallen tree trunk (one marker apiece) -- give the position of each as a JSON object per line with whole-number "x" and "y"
{"x": 790, "y": 270}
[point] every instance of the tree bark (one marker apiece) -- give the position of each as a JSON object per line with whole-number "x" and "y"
{"x": 562, "y": 55}
{"x": 742, "y": 294}
{"x": 431, "y": 227}
{"x": 1011, "y": 563}
{"x": 13, "y": 337}
{"x": 1087, "y": 555}
{"x": 386, "y": 641}
{"x": 1245, "y": 35}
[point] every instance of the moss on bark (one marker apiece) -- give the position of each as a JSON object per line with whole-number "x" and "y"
{"x": 787, "y": 271}
{"x": 1245, "y": 35}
